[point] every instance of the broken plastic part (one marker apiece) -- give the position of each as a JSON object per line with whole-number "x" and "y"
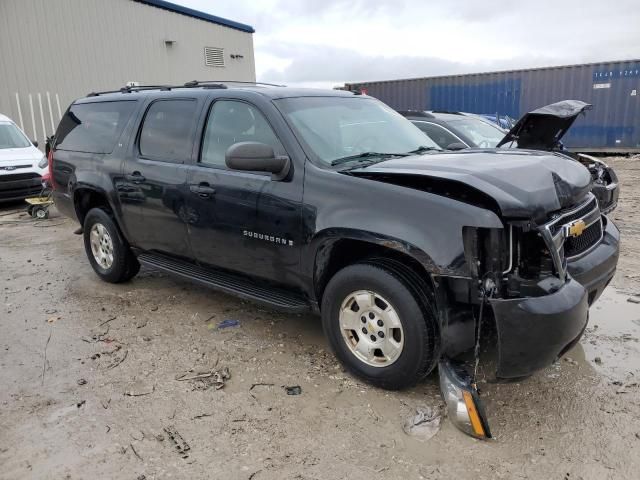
{"x": 463, "y": 403}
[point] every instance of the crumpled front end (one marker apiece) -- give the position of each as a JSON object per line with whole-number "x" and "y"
{"x": 558, "y": 269}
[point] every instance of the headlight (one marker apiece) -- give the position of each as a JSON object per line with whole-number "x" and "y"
{"x": 464, "y": 408}
{"x": 43, "y": 163}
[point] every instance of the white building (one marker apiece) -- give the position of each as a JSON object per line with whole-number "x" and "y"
{"x": 54, "y": 51}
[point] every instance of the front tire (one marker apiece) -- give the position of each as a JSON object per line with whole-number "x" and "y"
{"x": 380, "y": 326}
{"x": 108, "y": 253}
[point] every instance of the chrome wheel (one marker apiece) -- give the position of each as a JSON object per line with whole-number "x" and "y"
{"x": 371, "y": 328}
{"x": 101, "y": 246}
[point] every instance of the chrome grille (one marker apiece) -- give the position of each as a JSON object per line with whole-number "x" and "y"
{"x": 574, "y": 246}
{"x": 573, "y": 215}
{"x": 565, "y": 241}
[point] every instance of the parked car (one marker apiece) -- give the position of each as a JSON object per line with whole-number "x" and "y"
{"x": 503, "y": 121}
{"x": 540, "y": 129}
{"x": 331, "y": 202}
{"x": 22, "y": 165}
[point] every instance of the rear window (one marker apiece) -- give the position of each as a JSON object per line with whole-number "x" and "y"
{"x": 93, "y": 127}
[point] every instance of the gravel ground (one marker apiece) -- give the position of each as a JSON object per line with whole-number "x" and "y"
{"x": 97, "y": 382}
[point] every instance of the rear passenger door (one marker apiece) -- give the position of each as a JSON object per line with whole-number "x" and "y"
{"x": 153, "y": 190}
{"x": 244, "y": 221}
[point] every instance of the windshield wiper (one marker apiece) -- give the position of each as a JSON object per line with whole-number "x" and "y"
{"x": 422, "y": 149}
{"x": 365, "y": 155}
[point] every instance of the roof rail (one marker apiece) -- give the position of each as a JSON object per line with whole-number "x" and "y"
{"x": 198, "y": 83}
{"x": 191, "y": 84}
{"x": 130, "y": 89}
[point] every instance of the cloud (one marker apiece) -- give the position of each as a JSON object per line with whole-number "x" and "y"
{"x": 336, "y": 41}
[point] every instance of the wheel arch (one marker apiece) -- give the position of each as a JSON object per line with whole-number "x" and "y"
{"x": 336, "y": 248}
{"x": 86, "y": 197}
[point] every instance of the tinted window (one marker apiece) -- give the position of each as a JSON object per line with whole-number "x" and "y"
{"x": 438, "y": 134}
{"x": 93, "y": 127}
{"x": 167, "y": 130}
{"x": 12, "y": 137}
{"x": 231, "y": 122}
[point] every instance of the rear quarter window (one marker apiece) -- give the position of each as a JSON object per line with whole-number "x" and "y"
{"x": 93, "y": 127}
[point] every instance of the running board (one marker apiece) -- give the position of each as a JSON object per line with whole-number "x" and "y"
{"x": 228, "y": 283}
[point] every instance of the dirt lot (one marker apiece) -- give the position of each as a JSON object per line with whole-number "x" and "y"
{"x": 89, "y": 389}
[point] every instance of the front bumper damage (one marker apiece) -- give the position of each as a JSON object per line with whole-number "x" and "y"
{"x": 532, "y": 331}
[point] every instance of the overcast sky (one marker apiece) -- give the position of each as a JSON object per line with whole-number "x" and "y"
{"x": 329, "y": 42}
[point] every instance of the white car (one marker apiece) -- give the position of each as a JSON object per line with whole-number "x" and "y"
{"x": 22, "y": 165}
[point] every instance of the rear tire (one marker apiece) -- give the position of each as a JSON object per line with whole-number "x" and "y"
{"x": 391, "y": 305}
{"x": 108, "y": 252}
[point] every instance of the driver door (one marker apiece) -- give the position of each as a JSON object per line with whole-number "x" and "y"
{"x": 243, "y": 221}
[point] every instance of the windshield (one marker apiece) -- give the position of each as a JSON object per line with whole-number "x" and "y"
{"x": 337, "y": 128}
{"x": 12, "y": 137}
{"x": 481, "y": 133}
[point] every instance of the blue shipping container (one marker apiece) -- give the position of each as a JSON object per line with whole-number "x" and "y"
{"x": 613, "y": 88}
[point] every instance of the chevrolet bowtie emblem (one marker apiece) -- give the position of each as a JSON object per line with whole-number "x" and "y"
{"x": 575, "y": 229}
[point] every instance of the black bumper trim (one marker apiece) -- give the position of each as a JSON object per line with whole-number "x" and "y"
{"x": 535, "y": 331}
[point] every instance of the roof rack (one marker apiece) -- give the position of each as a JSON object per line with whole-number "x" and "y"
{"x": 191, "y": 84}
{"x": 136, "y": 88}
{"x": 198, "y": 83}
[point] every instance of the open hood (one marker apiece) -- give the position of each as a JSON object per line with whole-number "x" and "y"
{"x": 522, "y": 184}
{"x": 542, "y": 129}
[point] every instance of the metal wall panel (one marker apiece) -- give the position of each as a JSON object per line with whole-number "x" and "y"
{"x": 54, "y": 51}
{"x": 612, "y": 87}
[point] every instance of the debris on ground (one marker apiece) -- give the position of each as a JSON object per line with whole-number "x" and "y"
{"x": 139, "y": 389}
{"x": 424, "y": 424}
{"x": 53, "y": 319}
{"x": 625, "y": 387}
{"x": 118, "y": 360}
{"x": 181, "y": 445}
{"x": 205, "y": 379}
{"x": 44, "y": 362}
{"x": 633, "y": 300}
{"x": 81, "y": 381}
{"x": 110, "y": 319}
{"x": 135, "y": 453}
{"x": 228, "y": 323}
{"x": 598, "y": 360}
{"x": 202, "y": 415}
{"x": 293, "y": 390}
{"x": 98, "y": 337}
{"x": 258, "y": 385}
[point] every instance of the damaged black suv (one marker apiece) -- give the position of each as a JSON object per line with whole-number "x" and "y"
{"x": 331, "y": 202}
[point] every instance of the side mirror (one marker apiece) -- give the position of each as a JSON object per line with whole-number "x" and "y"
{"x": 35, "y": 143}
{"x": 456, "y": 146}
{"x": 257, "y": 157}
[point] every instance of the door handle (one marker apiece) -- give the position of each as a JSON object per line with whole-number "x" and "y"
{"x": 135, "y": 177}
{"x": 203, "y": 190}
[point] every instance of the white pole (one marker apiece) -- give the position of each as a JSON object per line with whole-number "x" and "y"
{"x": 33, "y": 118}
{"x": 59, "y": 111}
{"x": 44, "y": 129}
{"x": 19, "y": 111}
{"x": 53, "y": 127}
